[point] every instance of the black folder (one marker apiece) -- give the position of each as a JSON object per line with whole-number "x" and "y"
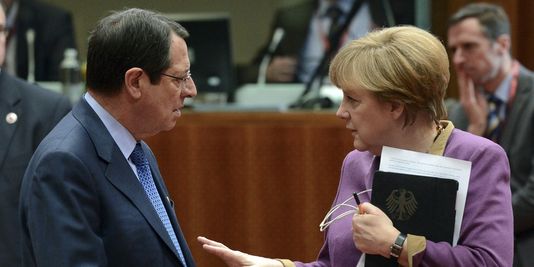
{"x": 418, "y": 205}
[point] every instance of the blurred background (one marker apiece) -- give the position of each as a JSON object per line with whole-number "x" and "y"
{"x": 250, "y": 21}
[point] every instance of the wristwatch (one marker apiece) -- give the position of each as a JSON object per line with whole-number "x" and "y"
{"x": 396, "y": 248}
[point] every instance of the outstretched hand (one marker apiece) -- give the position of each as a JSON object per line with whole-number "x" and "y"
{"x": 234, "y": 258}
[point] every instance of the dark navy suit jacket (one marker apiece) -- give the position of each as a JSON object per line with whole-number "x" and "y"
{"x": 37, "y": 110}
{"x": 82, "y": 205}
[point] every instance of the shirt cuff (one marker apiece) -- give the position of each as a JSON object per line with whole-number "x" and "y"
{"x": 414, "y": 244}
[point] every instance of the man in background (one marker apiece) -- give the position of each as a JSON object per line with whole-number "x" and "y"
{"x": 93, "y": 194}
{"x": 307, "y": 34}
{"x": 27, "y": 114}
{"x": 497, "y": 101}
{"x": 53, "y": 32}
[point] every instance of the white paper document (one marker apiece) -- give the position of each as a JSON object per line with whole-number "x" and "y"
{"x": 416, "y": 163}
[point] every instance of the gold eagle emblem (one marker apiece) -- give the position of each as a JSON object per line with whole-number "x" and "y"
{"x": 401, "y": 204}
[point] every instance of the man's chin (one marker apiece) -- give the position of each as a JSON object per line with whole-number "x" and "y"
{"x": 170, "y": 126}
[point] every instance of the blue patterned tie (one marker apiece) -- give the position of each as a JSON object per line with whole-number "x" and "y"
{"x": 493, "y": 129}
{"x": 145, "y": 177}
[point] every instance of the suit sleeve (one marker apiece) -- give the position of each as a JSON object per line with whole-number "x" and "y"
{"x": 60, "y": 214}
{"x": 523, "y": 204}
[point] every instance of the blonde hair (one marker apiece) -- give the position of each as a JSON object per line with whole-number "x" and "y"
{"x": 401, "y": 64}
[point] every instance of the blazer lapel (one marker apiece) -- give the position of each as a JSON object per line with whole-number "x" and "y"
{"x": 9, "y": 103}
{"x": 118, "y": 171}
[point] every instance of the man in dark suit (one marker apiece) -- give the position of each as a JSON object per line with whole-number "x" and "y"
{"x": 306, "y": 26}
{"x": 54, "y": 32}
{"x": 497, "y": 101}
{"x": 93, "y": 194}
{"x": 27, "y": 114}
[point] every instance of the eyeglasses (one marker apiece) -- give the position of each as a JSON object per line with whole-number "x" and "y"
{"x": 180, "y": 80}
{"x": 352, "y": 209}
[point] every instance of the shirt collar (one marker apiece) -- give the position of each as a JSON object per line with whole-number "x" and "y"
{"x": 122, "y": 137}
{"x": 444, "y": 132}
{"x": 503, "y": 91}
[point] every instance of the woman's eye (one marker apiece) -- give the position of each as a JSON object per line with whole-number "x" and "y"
{"x": 352, "y": 99}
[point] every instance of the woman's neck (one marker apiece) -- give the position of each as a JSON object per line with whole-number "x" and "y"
{"x": 419, "y": 136}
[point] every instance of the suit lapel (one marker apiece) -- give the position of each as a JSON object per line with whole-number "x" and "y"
{"x": 521, "y": 99}
{"x": 118, "y": 171}
{"x": 122, "y": 177}
{"x": 169, "y": 206}
{"x": 10, "y": 100}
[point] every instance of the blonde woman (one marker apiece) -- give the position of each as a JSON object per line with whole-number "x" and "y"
{"x": 394, "y": 81}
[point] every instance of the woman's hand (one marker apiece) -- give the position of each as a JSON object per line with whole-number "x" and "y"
{"x": 234, "y": 258}
{"x": 372, "y": 231}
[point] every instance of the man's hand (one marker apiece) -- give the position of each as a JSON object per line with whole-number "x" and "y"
{"x": 474, "y": 103}
{"x": 282, "y": 69}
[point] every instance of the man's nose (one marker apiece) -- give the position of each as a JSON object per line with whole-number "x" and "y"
{"x": 458, "y": 57}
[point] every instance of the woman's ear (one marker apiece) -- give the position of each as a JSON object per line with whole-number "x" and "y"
{"x": 132, "y": 82}
{"x": 397, "y": 109}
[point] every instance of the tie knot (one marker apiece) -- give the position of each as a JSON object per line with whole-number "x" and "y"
{"x": 495, "y": 100}
{"x": 138, "y": 156}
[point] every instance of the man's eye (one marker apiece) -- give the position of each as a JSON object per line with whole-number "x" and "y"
{"x": 469, "y": 46}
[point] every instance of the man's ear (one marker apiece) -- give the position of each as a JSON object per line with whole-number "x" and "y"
{"x": 504, "y": 43}
{"x": 132, "y": 82}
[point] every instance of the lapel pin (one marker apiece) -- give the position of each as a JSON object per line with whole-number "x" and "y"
{"x": 11, "y": 118}
{"x": 170, "y": 201}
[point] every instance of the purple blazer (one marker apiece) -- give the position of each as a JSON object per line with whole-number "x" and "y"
{"x": 486, "y": 235}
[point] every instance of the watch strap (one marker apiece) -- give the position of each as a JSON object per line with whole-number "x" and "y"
{"x": 396, "y": 248}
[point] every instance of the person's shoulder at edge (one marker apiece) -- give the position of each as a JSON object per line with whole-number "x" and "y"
{"x": 40, "y": 101}
{"x": 39, "y": 94}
